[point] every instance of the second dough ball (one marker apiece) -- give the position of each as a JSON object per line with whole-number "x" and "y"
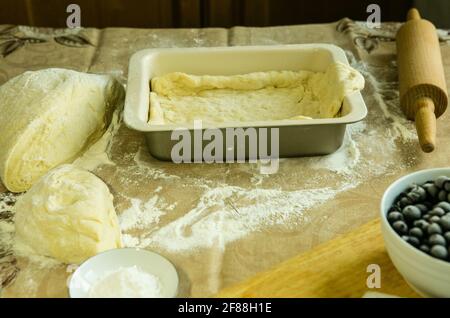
{"x": 68, "y": 215}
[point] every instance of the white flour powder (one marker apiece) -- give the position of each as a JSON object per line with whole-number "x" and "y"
{"x": 140, "y": 215}
{"x": 225, "y": 213}
{"x": 231, "y": 220}
{"x": 345, "y": 158}
{"x": 126, "y": 282}
{"x": 386, "y": 96}
{"x": 97, "y": 154}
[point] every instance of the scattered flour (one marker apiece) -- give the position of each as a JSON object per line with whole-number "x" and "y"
{"x": 346, "y": 157}
{"x": 226, "y": 213}
{"x": 129, "y": 240}
{"x": 386, "y": 96}
{"x": 140, "y": 215}
{"x": 151, "y": 172}
{"x": 97, "y": 154}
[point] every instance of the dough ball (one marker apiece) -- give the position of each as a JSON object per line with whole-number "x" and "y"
{"x": 68, "y": 215}
{"x": 50, "y": 117}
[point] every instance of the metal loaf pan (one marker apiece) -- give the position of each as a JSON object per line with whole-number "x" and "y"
{"x": 296, "y": 137}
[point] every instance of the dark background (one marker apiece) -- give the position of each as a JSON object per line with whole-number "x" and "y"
{"x": 202, "y": 13}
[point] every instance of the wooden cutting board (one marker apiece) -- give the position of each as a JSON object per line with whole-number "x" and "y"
{"x": 337, "y": 268}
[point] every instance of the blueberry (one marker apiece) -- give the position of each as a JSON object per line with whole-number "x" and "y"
{"x": 416, "y": 194}
{"x": 439, "y": 182}
{"x": 424, "y": 248}
{"x": 444, "y": 205}
{"x": 431, "y": 189}
{"x": 445, "y": 222}
{"x": 437, "y": 211}
{"x": 411, "y": 213}
{"x": 414, "y": 241}
{"x": 433, "y": 228}
{"x": 447, "y": 186}
{"x": 437, "y": 239}
{"x": 435, "y": 219}
{"x": 394, "y": 216}
{"x": 447, "y": 236}
{"x": 422, "y": 207}
{"x": 423, "y": 193}
{"x": 400, "y": 227}
{"x": 421, "y": 224}
{"x": 439, "y": 251}
{"x": 405, "y": 201}
{"x": 416, "y": 232}
{"x": 442, "y": 195}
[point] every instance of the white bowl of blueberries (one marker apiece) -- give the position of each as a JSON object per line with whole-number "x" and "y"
{"x": 415, "y": 220}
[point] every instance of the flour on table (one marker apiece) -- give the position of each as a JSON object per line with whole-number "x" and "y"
{"x": 97, "y": 154}
{"x": 143, "y": 214}
{"x": 346, "y": 157}
{"x": 149, "y": 171}
{"x": 224, "y": 214}
{"x": 231, "y": 221}
{"x": 386, "y": 95}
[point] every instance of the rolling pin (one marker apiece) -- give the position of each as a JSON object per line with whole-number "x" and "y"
{"x": 423, "y": 92}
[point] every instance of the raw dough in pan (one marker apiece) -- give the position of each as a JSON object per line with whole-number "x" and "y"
{"x": 179, "y": 98}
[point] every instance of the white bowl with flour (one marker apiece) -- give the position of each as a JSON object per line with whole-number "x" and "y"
{"x": 125, "y": 273}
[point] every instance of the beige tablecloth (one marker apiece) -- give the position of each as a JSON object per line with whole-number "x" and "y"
{"x": 222, "y": 223}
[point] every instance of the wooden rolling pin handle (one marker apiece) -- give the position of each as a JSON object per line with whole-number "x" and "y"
{"x": 413, "y": 14}
{"x": 426, "y": 123}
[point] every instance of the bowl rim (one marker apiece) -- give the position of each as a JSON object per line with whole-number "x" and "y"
{"x": 114, "y": 250}
{"x": 388, "y": 227}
